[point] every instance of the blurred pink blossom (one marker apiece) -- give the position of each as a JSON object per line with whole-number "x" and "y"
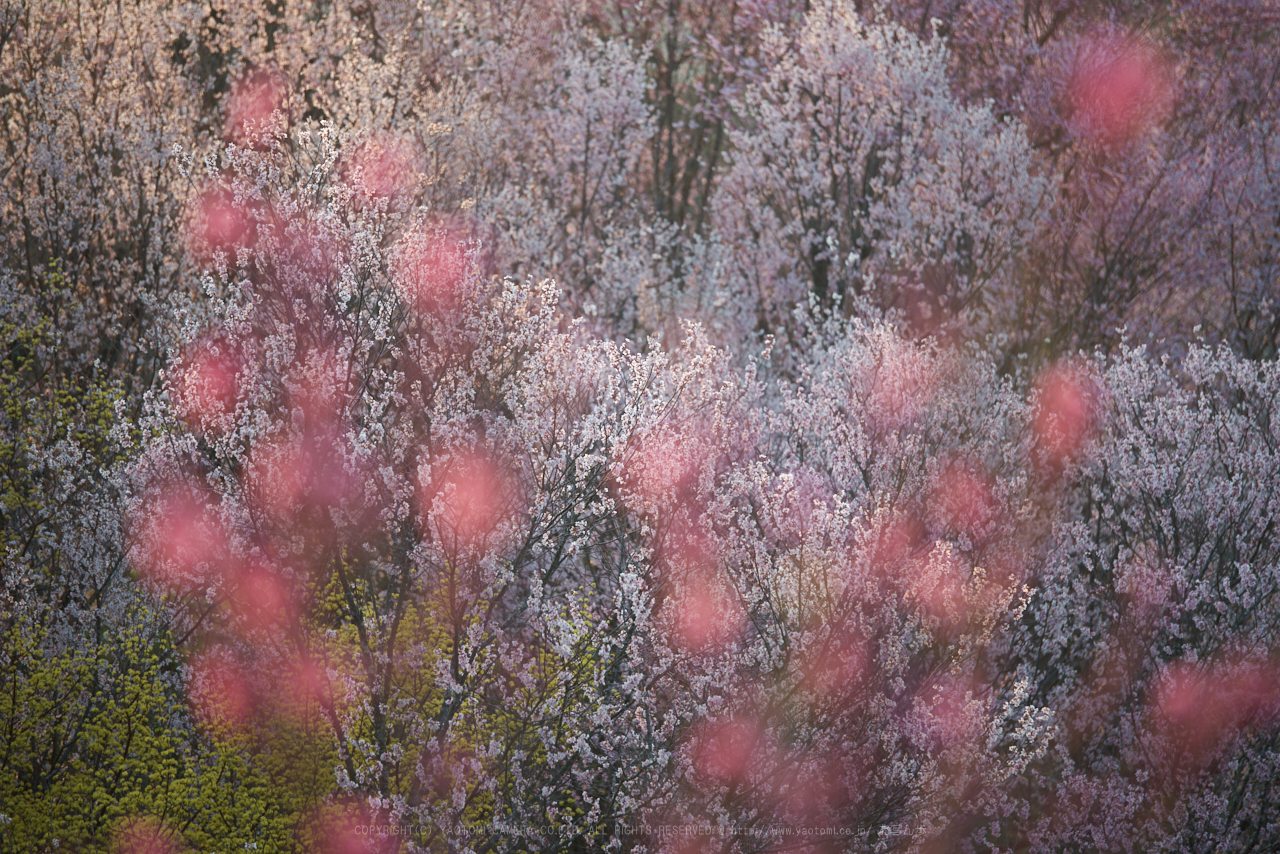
{"x": 1066, "y": 414}
{"x": 431, "y": 269}
{"x": 221, "y": 225}
{"x": 287, "y": 475}
{"x": 380, "y": 169}
{"x": 706, "y": 615}
{"x": 662, "y": 467}
{"x": 180, "y": 539}
{"x": 703, "y": 613}
{"x": 1119, "y": 88}
{"x": 253, "y": 112}
{"x": 145, "y": 835}
{"x": 729, "y": 751}
{"x": 263, "y": 598}
{"x": 1202, "y": 706}
{"x": 468, "y": 499}
{"x": 951, "y": 713}
{"x": 349, "y": 827}
{"x": 962, "y": 500}
{"x": 220, "y": 692}
{"x": 206, "y": 386}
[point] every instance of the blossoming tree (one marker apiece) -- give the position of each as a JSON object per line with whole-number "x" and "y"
{"x": 662, "y": 426}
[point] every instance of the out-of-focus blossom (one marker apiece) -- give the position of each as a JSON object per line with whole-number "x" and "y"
{"x": 180, "y": 539}
{"x": 221, "y": 225}
{"x": 1119, "y": 88}
{"x": 1066, "y": 414}
{"x": 705, "y": 614}
{"x": 950, "y": 714}
{"x": 817, "y": 792}
{"x": 1147, "y": 582}
{"x": 800, "y": 500}
{"x": 308, "y": 680}
{"x": 467, "y": 500}
{"x": 380, "y": 169}
{"x": 288, "y": 474}
{"x": 729, "y": 751}
{"x": 660, "y": 474}
{"x": 937, "y": 581}
{"x": 962, "y": 501}
{"x": 262, "y": 599}
{"x": 1202, "y": 706}
{"x": 901, "y": 382}
{"x": 312, "y": 252}
{"x": 350, "y": 827}
{"x": 145, "y": 835}
{"x": 206, "y": 385}
{"x": 255, "y": 110}
{"x": 220, "y": 691}
{"x": 702, "y": 611}
{"x": 432, "y": 267}
{"x": 278, "y": 477}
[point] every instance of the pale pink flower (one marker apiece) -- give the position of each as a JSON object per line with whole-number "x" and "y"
{"x": 180, "y": 540}
{"x": 702, "y": 612}
{"x": 962, "y": 500}
{"x": 1201, "y": 707}
{"x": 431, "y": 269}
{"x": 221, "y": 225}
{"x": 263, "y": 598}
{"x": 467, "y": 499}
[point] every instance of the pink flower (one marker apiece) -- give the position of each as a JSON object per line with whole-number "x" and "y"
{"x": 180, "y": 540}
{"x": 288, "y": 474}
{"x": 432, "y": 268}
{"x": 1201, "y": 707}
{"x": 702, "y": 612}
{"x": 380, "y": 168}
{"x": 660, "y": 469}
{"x": 706, "y": 616}
{"x": 467, "y": 500}
{"x": 352, "y": 828}
{"x": 962, "y": 501}
{"x": 263, "y": 599}
{"x": 951, "y": 714}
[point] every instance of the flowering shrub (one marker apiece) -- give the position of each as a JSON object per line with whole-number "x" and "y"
{"x": 630, "y": 426}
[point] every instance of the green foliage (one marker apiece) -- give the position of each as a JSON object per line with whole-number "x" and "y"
{"x": 94, "y": 740}
{"x": 43, "y": 408}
